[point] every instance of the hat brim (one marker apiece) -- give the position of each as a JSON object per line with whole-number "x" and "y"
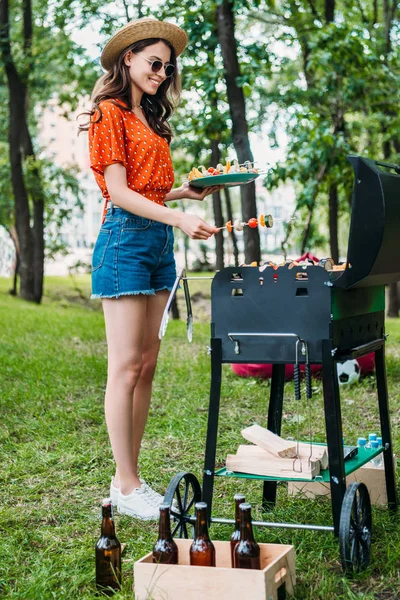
{"x": 138, "y": 30}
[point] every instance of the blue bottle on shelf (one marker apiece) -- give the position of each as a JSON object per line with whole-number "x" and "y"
{"x": 361, "y": 442}
{"x": 377, "y": 460}
{"x": 371, "y": 438}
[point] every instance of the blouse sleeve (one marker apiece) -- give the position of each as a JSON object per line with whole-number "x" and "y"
{"x": 106, "y": 139}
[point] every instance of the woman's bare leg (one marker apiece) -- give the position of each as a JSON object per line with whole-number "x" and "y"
{"x": 142, "y": 394}
{"x": 151, "y": 347}
{"x": 125, "y": 320}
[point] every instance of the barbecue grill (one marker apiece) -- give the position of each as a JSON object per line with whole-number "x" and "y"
{"x": 307, "y": 314}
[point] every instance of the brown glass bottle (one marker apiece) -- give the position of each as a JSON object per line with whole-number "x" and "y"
{"x": 202, "y": 551}
{"x": 108, "y": 553}
{"x": 165, "y": 550}
{"x": 235, "y": 537}
{"x": 247, "y": 551}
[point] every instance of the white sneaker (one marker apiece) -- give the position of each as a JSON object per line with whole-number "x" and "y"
{"x": 114, "y": 492}
{"x": 157, "y": 497}
{"x": 139, "y": 504}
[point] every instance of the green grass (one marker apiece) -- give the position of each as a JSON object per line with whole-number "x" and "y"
{"x": 56, "y": 460}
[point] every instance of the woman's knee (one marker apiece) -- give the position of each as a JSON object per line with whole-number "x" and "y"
{"x": 148, "y": 368}
{"x": 126, "y": 372}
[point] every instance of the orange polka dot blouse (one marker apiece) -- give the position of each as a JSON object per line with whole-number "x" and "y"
{"x": 121, "y": 137}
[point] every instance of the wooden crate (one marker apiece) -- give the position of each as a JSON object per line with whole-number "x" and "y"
{"x": 174, "y": 582}
{"x": 372, "y": 476}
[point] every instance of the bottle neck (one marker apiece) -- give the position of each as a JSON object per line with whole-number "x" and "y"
{"x": 164, "y": 526}
{"x": 107, "y": 524}
{"x": 237, "y": 513}
{"x": 201, "y": 530}
{"x": 246, "y": 529}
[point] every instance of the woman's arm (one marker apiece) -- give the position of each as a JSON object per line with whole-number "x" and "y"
{"x": 122, "y": 196}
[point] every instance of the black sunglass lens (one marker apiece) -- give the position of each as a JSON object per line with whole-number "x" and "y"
{"x": 156, "y": 66}
{"x": 169, "y": 69}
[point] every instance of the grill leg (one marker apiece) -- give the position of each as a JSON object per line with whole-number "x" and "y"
{"x": 385, "y": 427}
{"x": 274, "y": 425}
{"x": 334, "y": 435}
{"x": 212, "y": 425}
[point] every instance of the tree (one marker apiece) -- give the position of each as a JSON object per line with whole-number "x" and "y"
{"x": 33, "y": 70}
{"x": 237, "y": 107}
{"x": 334, "y": 108}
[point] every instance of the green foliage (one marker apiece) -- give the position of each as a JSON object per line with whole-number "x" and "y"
{"x": 54, "y": 67}
{"x": 334, "y": 96}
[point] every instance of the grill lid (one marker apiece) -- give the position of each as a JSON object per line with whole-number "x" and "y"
{"x": 373, "y": 256}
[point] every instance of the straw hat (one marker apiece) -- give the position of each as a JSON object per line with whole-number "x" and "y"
{"x": 142, "y": 29}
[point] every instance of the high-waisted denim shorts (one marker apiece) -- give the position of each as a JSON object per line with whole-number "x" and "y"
{"x": 132, "y": 255}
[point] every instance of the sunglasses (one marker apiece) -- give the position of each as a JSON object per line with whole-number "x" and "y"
{"x": 157, "y": 65}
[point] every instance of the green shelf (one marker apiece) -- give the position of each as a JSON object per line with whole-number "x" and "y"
{"x": 364, "y": 455}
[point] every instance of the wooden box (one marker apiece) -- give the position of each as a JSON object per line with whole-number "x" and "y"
{"x": 372, "y": 476}
{"x": 174, "y": 582}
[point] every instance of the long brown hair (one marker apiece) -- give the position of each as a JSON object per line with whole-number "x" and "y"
{"x": 115, "y": 85}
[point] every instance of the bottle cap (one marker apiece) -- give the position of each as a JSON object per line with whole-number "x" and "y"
{"x": 374, "y": 444}
{"x": 245, "y": 506}
{"x": 361, "y": 441}
{"x": 239, "y": 497}
{"x": 106, "y": 502}
{"x": 200, "y": 505}
{"x": 164, "y": 506}
{"x": 372, "y": 436}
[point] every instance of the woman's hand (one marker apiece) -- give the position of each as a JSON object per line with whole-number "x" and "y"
{"x": 193, "y": 193}
{"x": 195, "y": 227}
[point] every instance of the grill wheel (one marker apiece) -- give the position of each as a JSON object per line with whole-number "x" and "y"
{"x": 355, "y": 528}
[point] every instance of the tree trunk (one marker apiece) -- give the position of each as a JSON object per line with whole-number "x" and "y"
{"x": 217, "y": 207}
{"x": 329, "y": 10}
{"x": 233, "y": 234}
{"x": 333, "y": 222}
{"x": 307, "y": 228}
{"x": 333, "y": 189}
{"x": 226, "y": 35}
{"x": 17, "y": 95}
{"x": 13, "y": 235}
{"x": 393, "y": 301}
{"x": 31, "y": 240}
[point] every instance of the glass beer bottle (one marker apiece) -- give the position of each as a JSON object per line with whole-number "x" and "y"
{"x": 247, "y": 551}
{"x": 235, "y": 537}
{"x": 202, "y": 551}
{"x": 165, "y": 549}
{"x": 108, "y": 553}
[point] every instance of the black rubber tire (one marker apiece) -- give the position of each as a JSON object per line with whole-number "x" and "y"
{"x": 355, "y": 529}
{"x": 185, "y": 489}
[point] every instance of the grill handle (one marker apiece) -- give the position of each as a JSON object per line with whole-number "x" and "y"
{"x": 395, "y": 168}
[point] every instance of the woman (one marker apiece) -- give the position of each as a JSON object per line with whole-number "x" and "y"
{"x": 133, "y": 263}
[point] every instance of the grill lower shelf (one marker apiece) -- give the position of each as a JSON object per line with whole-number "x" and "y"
{"x": 364, "y": 455}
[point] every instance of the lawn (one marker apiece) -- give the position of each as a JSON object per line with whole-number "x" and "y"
{"x": 57, "y": 462}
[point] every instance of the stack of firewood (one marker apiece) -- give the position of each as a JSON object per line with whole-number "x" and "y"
{"x": 273, "y": 456}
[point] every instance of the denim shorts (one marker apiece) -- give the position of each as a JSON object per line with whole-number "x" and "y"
{"x": 132, "y": 255}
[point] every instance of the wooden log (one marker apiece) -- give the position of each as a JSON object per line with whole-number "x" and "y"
{"x": 269, "y": 441}
{"x": 272, "y": 466}
{"x": 318, "y": 452}
{"x": 265, "y": 439}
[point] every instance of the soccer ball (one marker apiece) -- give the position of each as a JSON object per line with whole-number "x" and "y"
{"x": 348, "y": 372}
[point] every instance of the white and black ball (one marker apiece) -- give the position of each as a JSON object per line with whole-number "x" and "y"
{"x": 348, "y": 372}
